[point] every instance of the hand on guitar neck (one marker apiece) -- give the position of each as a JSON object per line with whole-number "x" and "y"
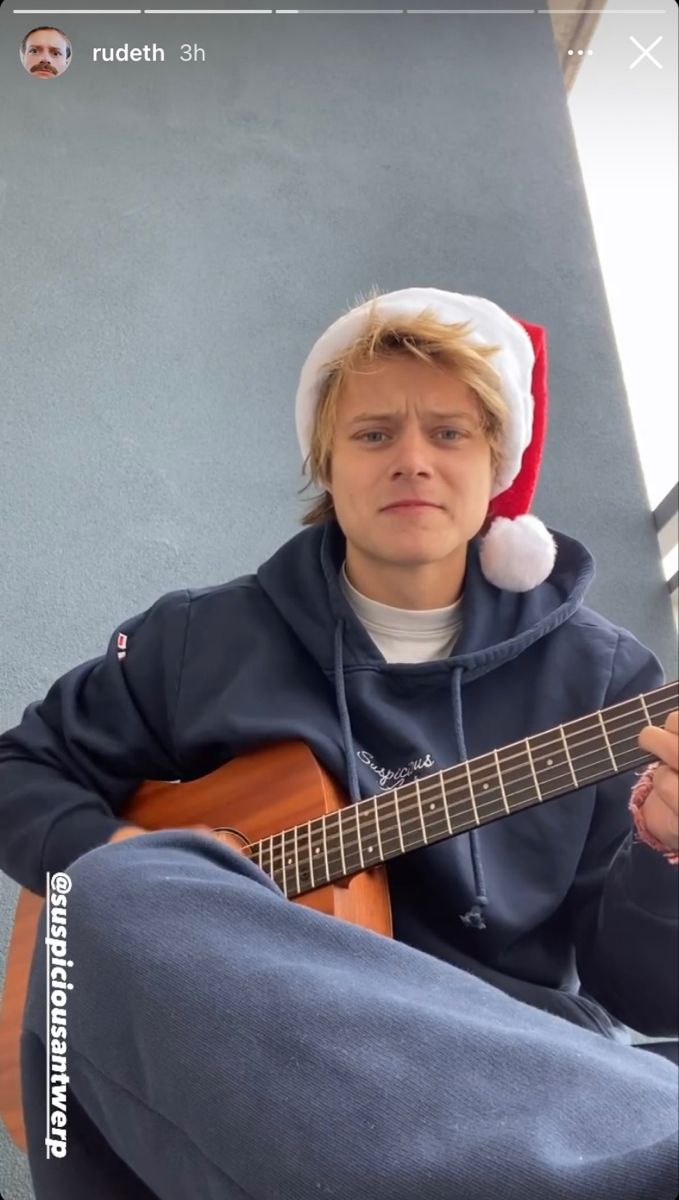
{"x": 127, "y": 831}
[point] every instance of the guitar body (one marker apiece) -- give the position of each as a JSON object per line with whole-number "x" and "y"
{"x": 290, "y": 787}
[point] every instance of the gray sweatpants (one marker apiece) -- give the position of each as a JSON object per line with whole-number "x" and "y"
{"x": 226, "y": 1043}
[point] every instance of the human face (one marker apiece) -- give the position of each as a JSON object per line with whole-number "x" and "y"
{"x": 408, "y": 430}
{"x": 45, "y": 54}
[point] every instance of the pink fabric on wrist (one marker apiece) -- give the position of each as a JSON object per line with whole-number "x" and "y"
{"x": 640, "y": 791}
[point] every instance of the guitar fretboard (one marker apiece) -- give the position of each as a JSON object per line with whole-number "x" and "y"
{"x": 470, "y": 794}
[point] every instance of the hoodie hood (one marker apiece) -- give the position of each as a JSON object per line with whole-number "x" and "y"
{"x": 302, "y": 582}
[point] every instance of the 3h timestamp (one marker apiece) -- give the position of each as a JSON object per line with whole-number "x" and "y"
{"x": 194, "y": 53}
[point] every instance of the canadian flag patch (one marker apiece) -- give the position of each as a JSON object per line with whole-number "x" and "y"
{"x": 122, "y": 645}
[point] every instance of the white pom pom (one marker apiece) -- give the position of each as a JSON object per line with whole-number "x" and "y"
{"x": 517, "y": 554}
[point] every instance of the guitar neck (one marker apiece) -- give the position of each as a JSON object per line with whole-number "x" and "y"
{"x": 466, "y": 796}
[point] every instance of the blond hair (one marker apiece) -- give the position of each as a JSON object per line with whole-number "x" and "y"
{"x": 425, "y": 338}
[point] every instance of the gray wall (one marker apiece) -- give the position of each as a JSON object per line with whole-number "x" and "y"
{"x": 175, "y": 237}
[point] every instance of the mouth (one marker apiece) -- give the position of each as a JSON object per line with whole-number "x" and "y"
{"x": 409, "y": 504}
{"x": 414, "y": 510}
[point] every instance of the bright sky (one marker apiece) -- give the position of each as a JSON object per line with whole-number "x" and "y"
{"x": 624, "y": 119}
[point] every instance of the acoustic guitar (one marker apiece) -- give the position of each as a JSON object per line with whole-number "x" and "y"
{"x": 326, "y": 853}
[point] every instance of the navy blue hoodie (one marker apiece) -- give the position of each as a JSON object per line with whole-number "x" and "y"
{"x": 557, "y": 905}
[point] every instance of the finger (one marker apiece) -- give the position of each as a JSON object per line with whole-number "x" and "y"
{"x": 661, "y": 821}
{"x": 671, "y": 724}
{"x": 666, "y": 787}
{"x": 662, "y": 743}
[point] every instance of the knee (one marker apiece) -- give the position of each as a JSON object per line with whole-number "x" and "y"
{"x": 98, "y": 879}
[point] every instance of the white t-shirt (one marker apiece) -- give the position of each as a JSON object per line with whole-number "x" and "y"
{"x": 402, "y": 634}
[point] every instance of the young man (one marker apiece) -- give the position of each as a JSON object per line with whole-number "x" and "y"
{"x": 224, "y": 1041}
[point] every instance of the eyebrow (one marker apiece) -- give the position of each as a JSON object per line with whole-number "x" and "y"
{"x": 387, "y": 416}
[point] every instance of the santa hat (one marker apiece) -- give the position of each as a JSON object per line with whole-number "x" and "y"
{"x": 518, "y": 551}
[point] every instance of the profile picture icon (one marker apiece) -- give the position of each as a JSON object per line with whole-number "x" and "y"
{"x": 45, "y": 52}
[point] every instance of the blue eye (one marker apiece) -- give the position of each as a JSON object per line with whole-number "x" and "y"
{"x": 380, "y": 433}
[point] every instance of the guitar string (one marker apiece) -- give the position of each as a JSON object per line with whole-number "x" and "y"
{"x": 435, "y": 787}
{"x": 410, "y": 812}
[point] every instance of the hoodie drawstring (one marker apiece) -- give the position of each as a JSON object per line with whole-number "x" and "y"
{"x": 474, "y": 917}
{"x": 343, "y": 710}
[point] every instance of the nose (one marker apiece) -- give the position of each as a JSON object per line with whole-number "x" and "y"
{"x": 411, "y": 453}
